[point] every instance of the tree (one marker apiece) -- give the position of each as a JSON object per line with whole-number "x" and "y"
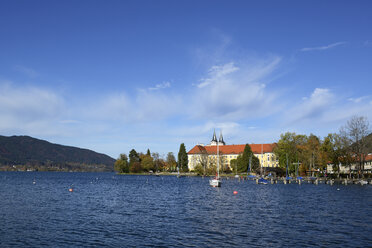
{"x": 293, "y": 146}
{"x": 334, "y": 150}
{"x": 243, "y": 160}
{"x": 310, "y": 151}
{"x": 147, "y": 162}
{"x": 121, "y": 164}
{"x": 148, "y": 153}
{"x": 135, "y": 167}
{"x": 133, "y": 157}
{"x": 356, "y": 131}
{"x": 157, "y": 164}
{"x": 171, "y": 162}
{"x": 182, "y": 158}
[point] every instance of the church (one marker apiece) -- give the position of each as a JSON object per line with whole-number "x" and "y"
{"x": 206, "y": 155}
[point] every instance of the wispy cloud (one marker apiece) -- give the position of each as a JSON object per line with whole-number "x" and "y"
{"x": 358, "y": 99}
{"x": 26, "y": 107}
{"x": 217, "y": 73}
{"x": 26, "y": 71}
{"x": 163, "y": 85}
{"x": 311, "y": 108}
{"x": 235, "y": 92}
{"x": 320, "y": 48}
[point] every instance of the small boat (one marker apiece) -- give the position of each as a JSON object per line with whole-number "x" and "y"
{"x": 262, "y": 181}
{"x": 216, "y": 182}
{"x": 362, "y": 182}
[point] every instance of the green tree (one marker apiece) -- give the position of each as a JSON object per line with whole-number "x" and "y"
{"x": 243, "y": 160}
{"x": 234, "y": 165}
{"x": 121, "y": 164}
{"x": 133, "y": 157}
{"x": 147, "y": 162}
{"x": 148, "y": 153}
{"x": 182, "y": 158}
{"x": 293, "y": 146}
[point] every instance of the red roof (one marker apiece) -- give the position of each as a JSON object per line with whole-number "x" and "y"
{"x": 368, "y": 157}
{"x": 232, "y": 149}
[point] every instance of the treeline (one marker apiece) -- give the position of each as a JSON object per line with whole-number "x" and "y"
{"x": 63, "y": 167}
{"x": 151, "y": 162}
{"x": 306, "y": 154}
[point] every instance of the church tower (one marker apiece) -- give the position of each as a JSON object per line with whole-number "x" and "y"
{"x": 220, "y": 141}
{"x": 214, "y": 140}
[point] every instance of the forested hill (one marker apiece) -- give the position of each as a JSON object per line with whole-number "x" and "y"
{"x": 36, "y": 154}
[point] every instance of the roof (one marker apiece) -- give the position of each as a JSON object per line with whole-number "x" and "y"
{"x": 232, "y": 149}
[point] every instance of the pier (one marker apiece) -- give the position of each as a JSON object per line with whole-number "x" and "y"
{"x": 315, "y": 181}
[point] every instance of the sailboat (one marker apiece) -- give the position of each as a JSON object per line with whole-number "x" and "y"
{"x": 216, "y": 182}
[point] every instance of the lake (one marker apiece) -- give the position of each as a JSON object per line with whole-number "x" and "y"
{"x": 108, "y": 210}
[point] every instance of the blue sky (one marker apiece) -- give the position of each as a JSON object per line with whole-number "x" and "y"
{"x": 116, "y": 75}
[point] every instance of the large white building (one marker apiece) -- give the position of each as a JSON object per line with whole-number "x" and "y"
{"x": 207, "y": 154}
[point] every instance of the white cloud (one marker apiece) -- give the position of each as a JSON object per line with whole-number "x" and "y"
{"x": 311, "y": 108}
{"x": 358, "y": 99}
{"x": 28, "y": 109}
{"x": 320, "y": 48}
{"x": 163, "y": 85}
{"x": 235, "y": 92}
{"x": 217, "y": 73}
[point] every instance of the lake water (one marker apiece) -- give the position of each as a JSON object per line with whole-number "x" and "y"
{"x": 108, "y": 210}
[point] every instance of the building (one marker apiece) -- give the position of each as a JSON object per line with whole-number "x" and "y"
{"x": 353, "y": 168}
{"x": 207, "y": 154}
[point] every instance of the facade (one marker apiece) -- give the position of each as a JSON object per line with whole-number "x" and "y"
{"x": 207, "y": 154}
{"x": 354, "y": 167}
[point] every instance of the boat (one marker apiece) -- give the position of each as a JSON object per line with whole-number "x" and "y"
{"x": 216, "y": 181}
{"x": 362, "y": 182}
{"x": 262, "y": 181}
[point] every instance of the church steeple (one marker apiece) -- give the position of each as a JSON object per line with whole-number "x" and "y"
{"x": 221, "y": 138}
{"x": 216, "y": 141}
{"x": 214, "y": 136}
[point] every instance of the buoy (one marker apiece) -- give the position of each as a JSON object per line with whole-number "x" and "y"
{"x": 70, "y": 189}
{"x": 235, "y": 192}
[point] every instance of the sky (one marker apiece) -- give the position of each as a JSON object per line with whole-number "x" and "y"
{"x": 112, "y": 76}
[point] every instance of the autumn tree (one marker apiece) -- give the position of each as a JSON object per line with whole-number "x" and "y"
{"x": 147, "y": 162}
{"x": 121, "y": 164}
{"x": 171, "y": 162}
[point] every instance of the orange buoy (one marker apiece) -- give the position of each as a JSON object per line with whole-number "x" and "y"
{"x": 70, "y": 189}
{"x": 235, "y": 192}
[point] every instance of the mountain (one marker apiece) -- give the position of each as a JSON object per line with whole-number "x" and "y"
{"x": 24, "y": 152}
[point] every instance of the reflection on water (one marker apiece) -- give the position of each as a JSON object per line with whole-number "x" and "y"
{"x": 113, "y": 210}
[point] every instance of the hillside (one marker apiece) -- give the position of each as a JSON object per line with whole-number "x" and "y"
{"x": 38, "y": 154}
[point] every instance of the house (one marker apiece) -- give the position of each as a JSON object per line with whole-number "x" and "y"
{"x": 345, "y": 169}
{"x": 206, "y": 155}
